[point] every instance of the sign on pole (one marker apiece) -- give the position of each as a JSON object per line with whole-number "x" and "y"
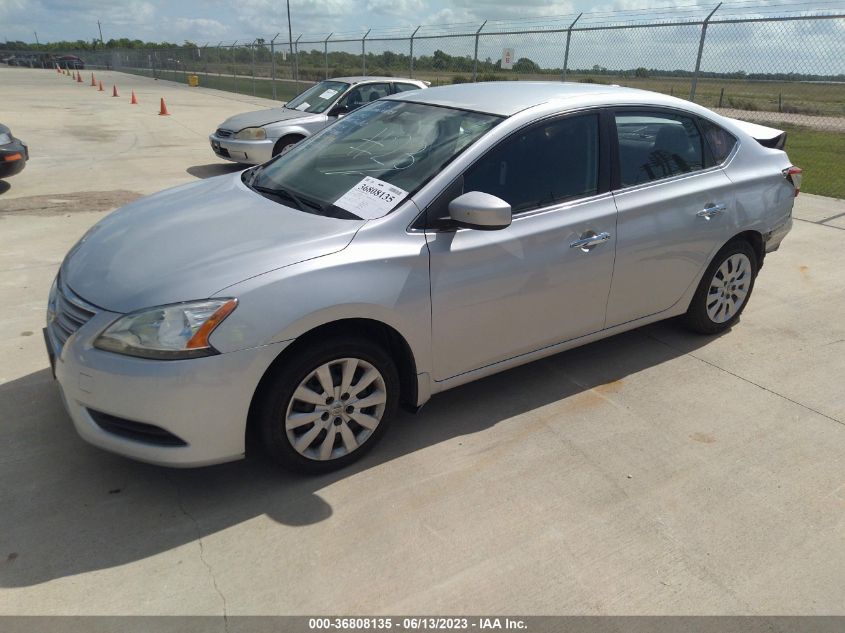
{"x": 507, "y": 59}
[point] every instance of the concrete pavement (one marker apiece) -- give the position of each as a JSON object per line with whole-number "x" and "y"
{"x": 656, "y": 472}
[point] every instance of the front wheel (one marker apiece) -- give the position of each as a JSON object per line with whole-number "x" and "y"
{"x": 724, "y": 289}
{"x": 328, "y": 404}
{"x": 285, "y": 144}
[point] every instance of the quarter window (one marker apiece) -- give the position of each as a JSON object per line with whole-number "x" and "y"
{"x": 545, "y": 164}
{"x": 721, "y": 142}
{"x": 405, "y": 87}
{"x": 656, "y": 145}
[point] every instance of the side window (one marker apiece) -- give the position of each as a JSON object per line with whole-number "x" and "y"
{"x": 364, "y": 94}
{"x": 547, "y": 163}
{"x": 721, "y": 143}
{"x": 399, "y": 87}
{"x": 656, "y": 145}
{"x": 371, "y": 92}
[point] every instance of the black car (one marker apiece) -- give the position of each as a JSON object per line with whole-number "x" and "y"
{"x": 13, "y": 153}
{"x": 71, "y": 62}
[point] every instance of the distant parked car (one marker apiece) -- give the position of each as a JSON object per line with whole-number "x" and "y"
{"x": 13, "y": 153}
{"x": 255, "y": 137}
{"x": 71, "y": 62}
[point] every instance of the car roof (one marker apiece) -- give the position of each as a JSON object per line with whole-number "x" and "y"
{"x": 369, "y": 79}
{"x": 505, "y": 98}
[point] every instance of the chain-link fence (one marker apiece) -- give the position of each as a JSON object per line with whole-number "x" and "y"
{"x": 787, "y": 70}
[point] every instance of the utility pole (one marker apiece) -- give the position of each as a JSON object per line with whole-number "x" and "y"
{"x": 36, "y": 38}
{"x": 99, "y": 26}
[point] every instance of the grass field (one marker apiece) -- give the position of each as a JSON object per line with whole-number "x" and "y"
{"x": 822, "y": 157}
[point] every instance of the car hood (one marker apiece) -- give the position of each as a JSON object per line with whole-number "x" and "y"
{"x": 262, "y": 117}
{"x": 193, "y": 241}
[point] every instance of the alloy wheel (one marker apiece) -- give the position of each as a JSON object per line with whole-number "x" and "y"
{"x": 335, "y": 409}
{"x": 729, "y": 288}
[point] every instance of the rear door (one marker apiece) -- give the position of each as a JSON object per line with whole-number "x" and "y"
{"x": 542, "y": 280}
{"x": 675, "y": 211}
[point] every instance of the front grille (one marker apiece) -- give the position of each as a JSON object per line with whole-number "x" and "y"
{"x": 223, "y": 133}
{"x": 70, "y": 313}
{"x": 136, "y": 431}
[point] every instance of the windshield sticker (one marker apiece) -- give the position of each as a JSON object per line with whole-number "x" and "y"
{"x": 328, "y": 94}
{"x": 371, "y": 198}
{"x": 303, "y": 106}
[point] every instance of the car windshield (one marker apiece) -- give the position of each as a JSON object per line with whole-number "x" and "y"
{"x": 366, "y": 163}
{"x": 318, "y": 98}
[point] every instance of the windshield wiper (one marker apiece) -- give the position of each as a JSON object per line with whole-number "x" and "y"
{"x": 278, "y": 192}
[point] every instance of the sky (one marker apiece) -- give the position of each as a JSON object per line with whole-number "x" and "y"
{"x": 203, "y": 21}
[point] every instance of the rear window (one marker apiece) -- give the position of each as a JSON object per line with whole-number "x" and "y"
{"x": 720, "y": 141}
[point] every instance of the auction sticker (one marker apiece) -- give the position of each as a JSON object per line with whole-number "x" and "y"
{"x": 328, "y": 94}
{"x": 371, "y": 198}
{"x": 303, "y": 106}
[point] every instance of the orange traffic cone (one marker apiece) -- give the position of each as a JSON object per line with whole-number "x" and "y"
{"x": 114, "y": 90}
{"x": 134, "y": 100}
{"x": 79, "y": 78}
{"x": 100, "y": 89}
{"x": 162, "y": 110}
{"x": 93, "y": 81}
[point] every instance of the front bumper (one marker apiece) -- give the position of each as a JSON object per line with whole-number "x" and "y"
{"x": 248, "y": 152}
{"x": 13, "y": 157}
{"x": 203, "y": 402}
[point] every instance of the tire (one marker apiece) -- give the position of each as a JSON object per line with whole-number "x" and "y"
{"x": 285, "y": 143}
{"x": 328, "y": 431}
{"x": 715, "y": 307}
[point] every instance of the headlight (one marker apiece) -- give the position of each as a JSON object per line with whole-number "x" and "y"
{"x": 251, "y": 134}
{"x": 174, "y": 331}
{"x": 5, "y": 138}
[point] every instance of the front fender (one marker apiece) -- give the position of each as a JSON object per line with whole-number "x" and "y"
{"x": 386, "y": 282}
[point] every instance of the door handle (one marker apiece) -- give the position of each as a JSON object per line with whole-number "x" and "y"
{"x": 711, "y": 210}
{"x": 588, "y": 241}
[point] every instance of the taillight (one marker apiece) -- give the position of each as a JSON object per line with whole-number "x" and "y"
{"x": 793, "y": 175}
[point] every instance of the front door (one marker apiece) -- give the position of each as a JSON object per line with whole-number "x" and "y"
{"x": 544, "y": 279}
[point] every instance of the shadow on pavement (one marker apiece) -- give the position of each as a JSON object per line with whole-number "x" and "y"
{"x": 4, "y": 187}
{"x": 214, "y": 169}
{"x": 69, "y": 508}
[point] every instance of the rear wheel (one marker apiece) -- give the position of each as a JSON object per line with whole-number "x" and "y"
{"x": 724, "y": 289}
{"x": 328, "y": 405}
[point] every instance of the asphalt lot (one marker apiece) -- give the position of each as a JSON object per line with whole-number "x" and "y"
{"x": 657, "y": 472}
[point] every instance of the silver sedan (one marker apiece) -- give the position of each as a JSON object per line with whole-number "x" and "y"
{"x": 253, "y": 138}
{"x": 424, "y": 241}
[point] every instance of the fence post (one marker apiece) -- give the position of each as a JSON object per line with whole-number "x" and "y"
{"x": 296, "y": 61}
{"x": 566, "y": 54}
{"x": 252, "y": 48}
{"x": 364, "y": 53}
{"x": 326, "y": 52}
{"x": 205, "y": 59}
{"x": 412, "y": 50}
{"x": 234, "y": 67}
{"x": 273, "y": 65}
{"x": 475, "y": 56}
{"x": 219, "y": 61}
{"x": 700, "y": 51}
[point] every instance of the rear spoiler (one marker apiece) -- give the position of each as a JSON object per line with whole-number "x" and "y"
{"x": 766, "y": 136}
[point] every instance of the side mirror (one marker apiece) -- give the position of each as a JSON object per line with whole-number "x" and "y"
{"x": 481, "y": 211}
{"x": 339, "y": 110}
